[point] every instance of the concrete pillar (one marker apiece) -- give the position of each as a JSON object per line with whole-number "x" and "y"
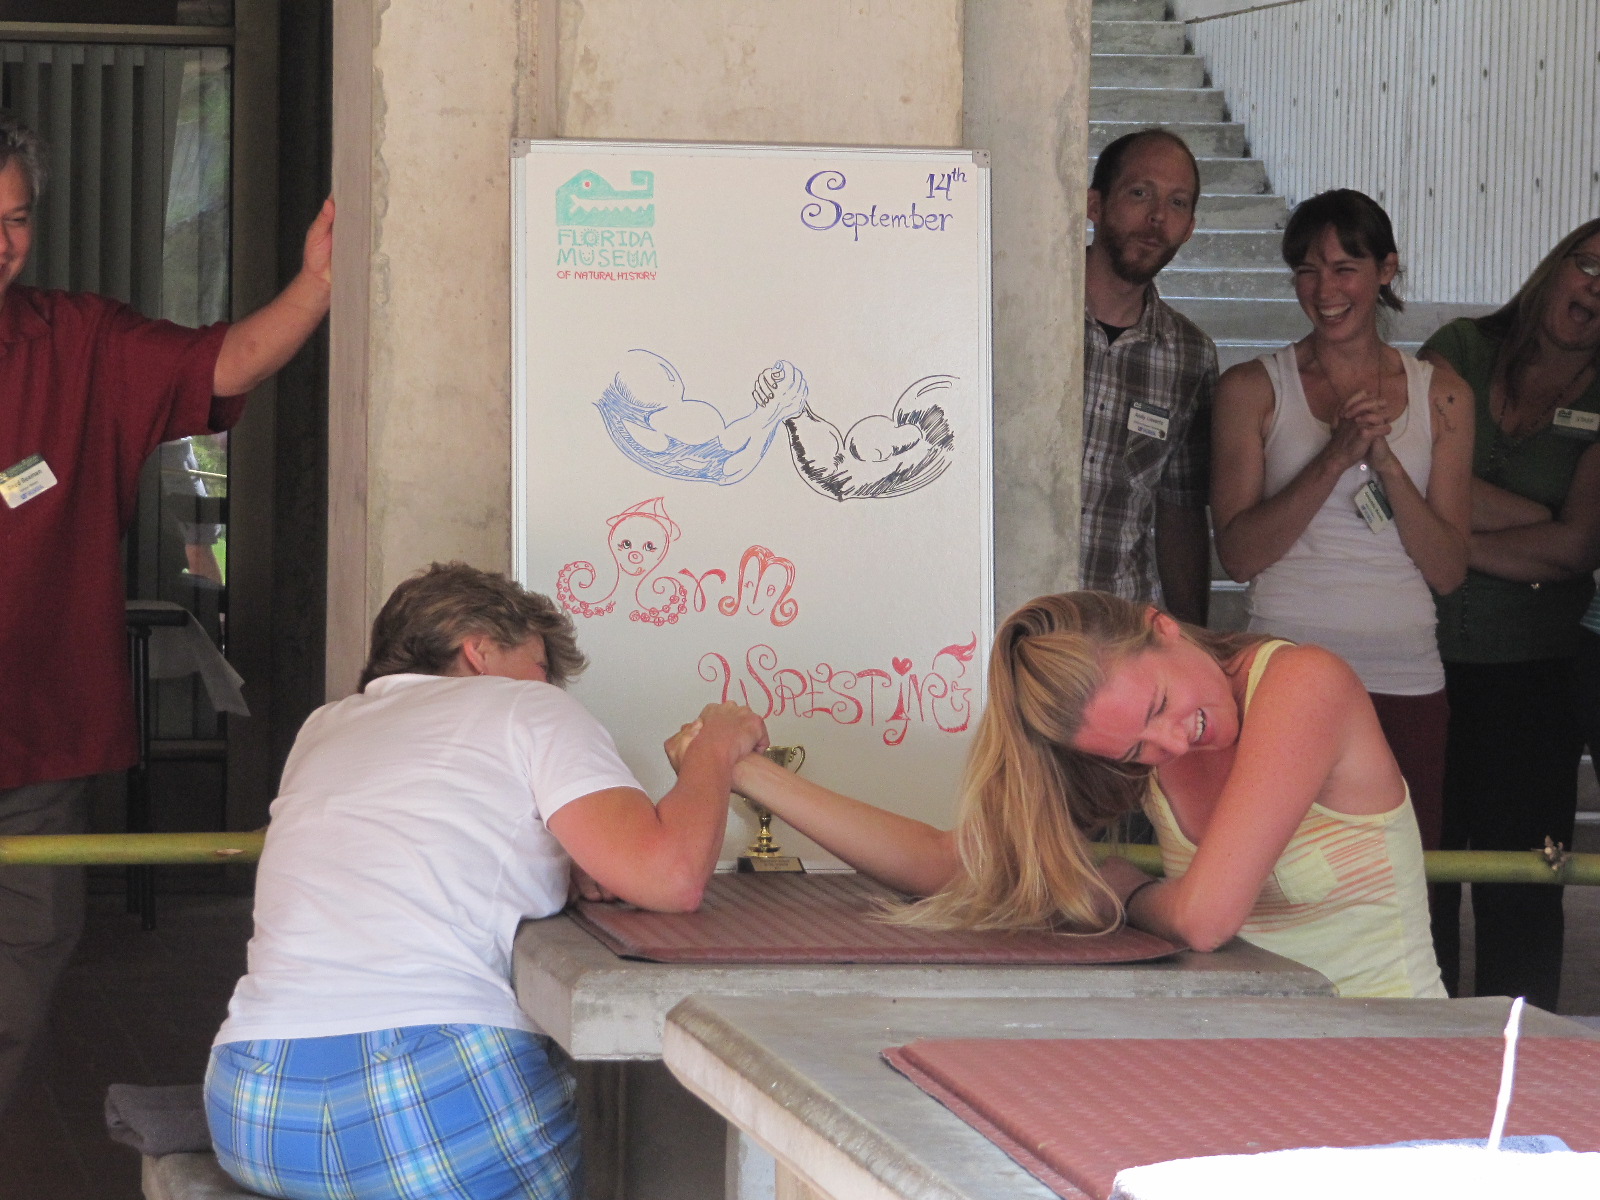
{"x": 1027, "y": 103}
{"x": 427, "y": 97}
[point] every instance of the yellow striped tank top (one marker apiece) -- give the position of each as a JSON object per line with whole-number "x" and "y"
{"x": 1346, "y": 898}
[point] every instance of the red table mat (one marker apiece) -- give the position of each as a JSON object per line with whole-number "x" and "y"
{"x": 1075, "y": 1112}
{"x": 783, "y": 918}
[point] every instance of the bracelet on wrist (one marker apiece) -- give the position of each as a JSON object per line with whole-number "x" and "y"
{"x": 1127, "y": 902}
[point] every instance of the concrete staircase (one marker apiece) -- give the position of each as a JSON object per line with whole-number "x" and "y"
{"x": 1229, "y": 279}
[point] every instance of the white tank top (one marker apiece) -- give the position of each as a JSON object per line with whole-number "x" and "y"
{"x": 1341, "y": 585}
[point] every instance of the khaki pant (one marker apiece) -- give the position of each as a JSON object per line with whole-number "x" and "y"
{"x": 41, "y": 916}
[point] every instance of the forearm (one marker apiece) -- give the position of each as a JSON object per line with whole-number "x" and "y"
{"x": 1542, "y": 553}
{"x": 693, "y": 818}
{"x": 1183, "y": 560}
{"x": 1494, "y": 508}
{"x": 900, "y": 852}
{"x": 1437, "y": 548}
{"x": 1256, "y": 537}
{"x": 1161, "y": 906}
{"x": 255, "y": 348}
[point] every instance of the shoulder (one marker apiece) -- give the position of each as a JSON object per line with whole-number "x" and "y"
{"x": 1183, "y": 332}
{"x": 1448, "y": 393}
{"x": 1459, "y": 342}
{"x": 548, "y": 707}
{"x": 1303, "y": 677}
{"x": 1245, "y": 379}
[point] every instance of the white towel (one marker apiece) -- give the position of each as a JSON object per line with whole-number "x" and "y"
{"x": 1367, "y": 1173}
{"x": 179, "y": 650}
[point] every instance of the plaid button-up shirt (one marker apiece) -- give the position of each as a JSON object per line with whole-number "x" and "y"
{"x": 1168, "y": 367}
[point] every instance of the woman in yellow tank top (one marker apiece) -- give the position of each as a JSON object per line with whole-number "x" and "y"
{"x": 1281, "y": 813}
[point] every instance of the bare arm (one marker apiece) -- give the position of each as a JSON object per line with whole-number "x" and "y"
{"x": 659, "y": 856}
{"x": 1311, "y": 734}
{"x": 1183, "y": 560}
{"x": 1495, "y": 508}
{"x": 1563, "y": 548}
{"x": 1434, "y": 528}
{"x": 900, "y": 852}
{"x": 255, "y": 348}
{"x": 1255, "y": 530}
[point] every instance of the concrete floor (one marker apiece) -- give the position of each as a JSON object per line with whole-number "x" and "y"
{"x": 142, "y": 1007}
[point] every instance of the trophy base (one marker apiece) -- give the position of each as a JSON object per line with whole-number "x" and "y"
{"x": 754, "y": 863}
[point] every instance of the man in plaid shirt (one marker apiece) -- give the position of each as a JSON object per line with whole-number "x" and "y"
{"x": 1148, "y": 377}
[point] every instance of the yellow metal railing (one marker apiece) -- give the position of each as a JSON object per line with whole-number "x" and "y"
{"x": 149, "y": 849}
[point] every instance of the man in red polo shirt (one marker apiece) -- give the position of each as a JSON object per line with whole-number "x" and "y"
{"x": 88, "y": 390}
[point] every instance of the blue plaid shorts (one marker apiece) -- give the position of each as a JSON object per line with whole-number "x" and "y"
{"x": 428, "y": 1111}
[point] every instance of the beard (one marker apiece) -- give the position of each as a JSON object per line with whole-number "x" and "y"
{"x": 1131, "y": 261}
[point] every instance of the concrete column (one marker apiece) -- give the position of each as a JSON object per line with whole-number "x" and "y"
{"x": 826, "y": 71}
{"x": 427, "y": 96}
{"x": 1027, "y": 103}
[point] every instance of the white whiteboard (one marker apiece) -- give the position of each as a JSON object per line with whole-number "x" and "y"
{"x": 751, "y": 447}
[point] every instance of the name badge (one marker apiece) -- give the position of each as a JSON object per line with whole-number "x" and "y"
{"x": 21, "y": 483}
{"x": 1570, "y": 422}
{"x": 1373, "y": 506}
{"x": 1150, "y": 421}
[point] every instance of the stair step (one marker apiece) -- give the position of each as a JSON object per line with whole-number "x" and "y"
{"x": 1230, "y": 248}
{"x": 1243, "y": 283}
{"x": 1223, "y": 176}
{"x": 1241, "y": 212}
{"x": 1276, "y": 321}
{"x": 1129, "y": 10}
{"x": 1156, "y": 104}
{"x": 1232, "y": 176}
{"x": 1138, "y": 37}
{"x": 1146, "y": 70}
{"x": 1204, "y": 138}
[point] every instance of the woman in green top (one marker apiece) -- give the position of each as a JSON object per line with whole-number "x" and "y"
{"x": 1508, "y": 635}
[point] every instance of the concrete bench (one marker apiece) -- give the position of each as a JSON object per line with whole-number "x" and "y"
{"x": 190, "y": 1177}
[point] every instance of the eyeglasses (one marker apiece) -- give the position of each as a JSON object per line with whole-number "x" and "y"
{"x": 1587, "y": 263}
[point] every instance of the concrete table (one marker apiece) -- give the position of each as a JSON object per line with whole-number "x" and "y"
{"x": 647, "y": 1139}
{"x": 806, "y": 1081}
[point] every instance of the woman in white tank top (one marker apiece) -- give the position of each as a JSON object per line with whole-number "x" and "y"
{"x": 1341, "y": 472}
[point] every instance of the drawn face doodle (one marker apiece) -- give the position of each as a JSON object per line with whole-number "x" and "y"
{"x": 762, "y": 593}
{"x": 765, "y": 581}
{"x": 638, "y": 544}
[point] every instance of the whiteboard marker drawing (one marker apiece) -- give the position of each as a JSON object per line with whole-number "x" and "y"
{"x": 933, "y": 697}
{"x": 881, "y": 455}
{"x": 653, "y": 420}
{"x": 639, "y": 539}
{"x": 764, "y": 583}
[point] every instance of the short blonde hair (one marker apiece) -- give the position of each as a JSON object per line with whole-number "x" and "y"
{"x": 426, "y": 618}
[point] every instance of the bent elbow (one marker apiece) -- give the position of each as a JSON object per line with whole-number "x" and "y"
{"x": 1206, "y": 941}
{"x": 683, "y": 895}
{"x": 1203, "y": 931}
{"x": 1446, "y": 582}
{"x": 1232, "y": 562}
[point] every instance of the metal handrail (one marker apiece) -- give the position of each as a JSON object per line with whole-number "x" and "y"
{"x": 178, "y": 849}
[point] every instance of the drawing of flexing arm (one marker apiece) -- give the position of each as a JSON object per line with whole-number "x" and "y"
{"x": 881, "y": 455}
{"x": 653, "y": 420}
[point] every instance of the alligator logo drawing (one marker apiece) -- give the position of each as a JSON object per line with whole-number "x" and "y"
{"x": 587, "y": 199}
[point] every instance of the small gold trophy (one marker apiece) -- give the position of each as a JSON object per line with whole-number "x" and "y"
{"x": 763, "y": 854}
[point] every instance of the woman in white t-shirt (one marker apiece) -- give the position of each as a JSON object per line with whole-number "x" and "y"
{"x": 374, "y": 1047}
{"x": 1340, "y": 479}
